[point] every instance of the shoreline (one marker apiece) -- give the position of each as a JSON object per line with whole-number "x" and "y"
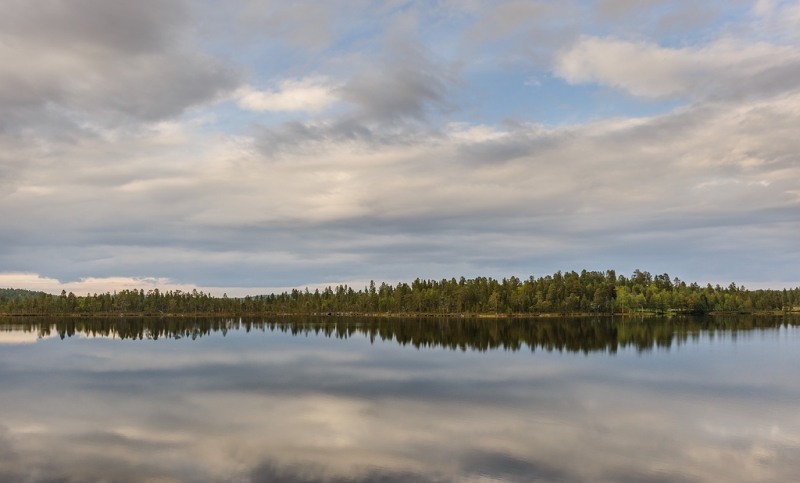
{"x": 631, "y": 315}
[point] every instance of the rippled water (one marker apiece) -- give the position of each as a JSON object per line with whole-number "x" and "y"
{"x": 351, "y": 400}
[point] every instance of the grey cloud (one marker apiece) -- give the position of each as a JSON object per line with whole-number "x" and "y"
{"x": 533, "y": 19}
{"x": 298, "y": 138}
{"x": 509, "y": 16}
{"x": 392, "y": 99}
{"x": 269, "y": 472}
{"x": 383, "y": 188}
{"x": 395, "y": 92}
{"x": 153, "y": 89}
{"x": 295, "y": 136}
{"x": 520, "y": 145}
{"x": 109, "y": 61}
{"x": 406, "y": 83}
{"x": 691, "y": 16}
{"x": 619, "y": 8}
{"x": 308, "y": 24}
{"x": 520, "y": 35}
{"x": 128, "y": 27}
{"x": 508, "y": 468}
{"x": 686, "y": 191}
{"x": 769, "y": 82}
{"x": 660, "y": 17}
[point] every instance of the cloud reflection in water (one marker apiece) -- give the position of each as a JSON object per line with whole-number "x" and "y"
{"x": 270, "y": 406}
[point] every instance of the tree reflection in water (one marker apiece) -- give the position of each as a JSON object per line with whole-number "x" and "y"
{"x": 570, "y": 334}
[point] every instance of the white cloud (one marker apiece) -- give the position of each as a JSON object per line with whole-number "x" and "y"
{"x": 99, "y": 285}
{"x": 35, "y": 282}
{"x": 462, "y": 132}
{"x": 646, "y": 69}
{"x": 764, "y": 7}
{"x": 311, "y": 94}
{"x": 533, "y": 82}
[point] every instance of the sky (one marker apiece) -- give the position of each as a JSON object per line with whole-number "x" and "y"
{"x": 250, "y": 146}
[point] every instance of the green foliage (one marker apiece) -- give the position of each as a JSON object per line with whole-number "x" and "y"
{"x": 560, "y": 293}
{"x": 17, "y": 294}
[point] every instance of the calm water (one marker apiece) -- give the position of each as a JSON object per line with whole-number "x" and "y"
{"x": 351, "y": 400}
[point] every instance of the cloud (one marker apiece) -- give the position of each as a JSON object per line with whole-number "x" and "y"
{"x": 100, "y": 285}
{"x": 398, "y": 92}
{"x": 407, "y": 84}
{"x": 220, "y": 211}
{"x": 391, "y": 99}
{"x": 507, "y": 17}
{"x": 311, "y": 94}
{"x": 309, "y": 24}
{"x": 618, "y": 8}
{"x": 88, "y": 285}
{"x": 102, "y": 63}
{"x": 405, "y": 142}
{"x": 269, "y": 472}
{"x": 644, "y": 69}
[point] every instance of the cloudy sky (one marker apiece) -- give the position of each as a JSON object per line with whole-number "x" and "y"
{"x": 248, "y": 145}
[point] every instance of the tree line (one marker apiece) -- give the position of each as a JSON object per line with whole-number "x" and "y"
{"x": 561, "y": 293}
{"x": 570, "y": 334}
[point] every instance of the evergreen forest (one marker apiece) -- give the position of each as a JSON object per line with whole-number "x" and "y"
{"x": 561, "y": 293}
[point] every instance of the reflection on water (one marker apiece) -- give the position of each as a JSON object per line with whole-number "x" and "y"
{"x": 573, "y": 334}
{"x": 350, "y": 400}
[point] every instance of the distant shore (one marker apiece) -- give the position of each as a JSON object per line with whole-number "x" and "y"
{"x": 584, "y": 294}
{"x": 626, "y": 314}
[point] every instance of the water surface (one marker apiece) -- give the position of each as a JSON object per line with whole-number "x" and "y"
{"x": 390, "y": 400}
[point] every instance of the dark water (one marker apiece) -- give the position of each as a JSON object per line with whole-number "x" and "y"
{"x": 391, "y": 400}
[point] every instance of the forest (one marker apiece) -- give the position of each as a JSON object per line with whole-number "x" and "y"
{"x": 561, "y": 293}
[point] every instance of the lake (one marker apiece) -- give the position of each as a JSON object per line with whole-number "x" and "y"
{"x": 339, "y": 399}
